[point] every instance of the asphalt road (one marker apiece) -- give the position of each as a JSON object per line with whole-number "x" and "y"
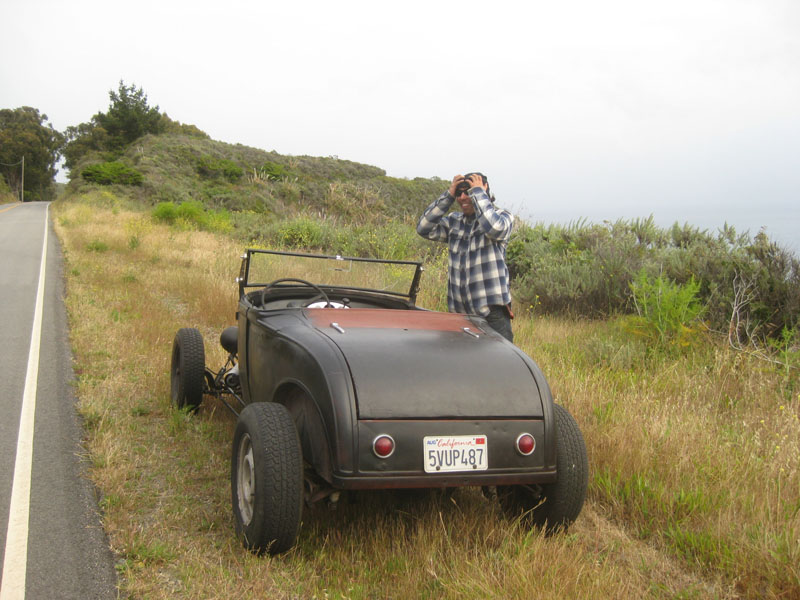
{"x": 60, "y": 549}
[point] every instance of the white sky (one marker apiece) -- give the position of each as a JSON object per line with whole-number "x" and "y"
{"x": 688, "y": 110}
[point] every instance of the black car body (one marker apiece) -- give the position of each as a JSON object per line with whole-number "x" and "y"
{"x": 371, "y": 391}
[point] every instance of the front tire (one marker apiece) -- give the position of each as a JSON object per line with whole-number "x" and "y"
{"x": 554, "y": 506}
{"x": 266, "y": 478}
{"x": 187, "y": 374}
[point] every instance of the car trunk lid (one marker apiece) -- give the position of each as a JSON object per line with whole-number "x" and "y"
{"x": 420, "y": 364}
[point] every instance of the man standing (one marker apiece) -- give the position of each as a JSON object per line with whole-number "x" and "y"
{"x": 477, "y": 238}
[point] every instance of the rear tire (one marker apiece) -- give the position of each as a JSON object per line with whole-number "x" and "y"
{"x": 554, "y": 506}
{"x": 187, "y": 374}
{"x": 267, "y": 478}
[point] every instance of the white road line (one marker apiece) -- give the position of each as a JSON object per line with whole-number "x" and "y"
{"x": 16, "y": 556}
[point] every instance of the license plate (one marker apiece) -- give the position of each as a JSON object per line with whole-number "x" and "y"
{"x": 455, "y": 453}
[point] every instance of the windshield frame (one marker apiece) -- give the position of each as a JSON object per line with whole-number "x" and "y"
{"x": 245, "y": 272}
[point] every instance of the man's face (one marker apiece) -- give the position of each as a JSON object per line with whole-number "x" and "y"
{"x": 465, "y": 202}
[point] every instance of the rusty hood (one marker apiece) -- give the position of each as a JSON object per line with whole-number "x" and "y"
{"x": 414, "y": 364}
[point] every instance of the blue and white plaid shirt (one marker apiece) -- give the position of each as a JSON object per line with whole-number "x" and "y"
{"x": 478, "y": 274}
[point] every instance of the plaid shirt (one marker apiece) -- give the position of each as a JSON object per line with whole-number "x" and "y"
{"x": 478, "y": 275}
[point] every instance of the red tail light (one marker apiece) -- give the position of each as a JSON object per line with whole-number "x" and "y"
{"x": 383, "y": 446}
{"x": 526, "y": 444}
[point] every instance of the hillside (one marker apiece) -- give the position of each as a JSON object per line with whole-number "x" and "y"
{"x": 178, "y": 168}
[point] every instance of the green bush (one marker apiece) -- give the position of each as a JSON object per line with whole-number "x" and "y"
{"x": 273, "y": 171}
{"x": 217, "y": 168}
{"x": 177, "y": 128}
{"x": 302, "y": 232}
{"x": 192, "y": 214}
{"x": 752, "y": 285}
{"x": 668, "y": 308}
{"x": 191, "y": 211}
{"x": 109, "y": 173}
{"x": 166, "y": 212}
{"x": 218, "y": 220}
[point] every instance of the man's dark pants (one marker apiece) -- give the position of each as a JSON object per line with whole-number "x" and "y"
{"x": 500, "y": 321}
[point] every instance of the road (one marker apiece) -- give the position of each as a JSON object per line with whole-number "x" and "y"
{"x": 52, "y": 543}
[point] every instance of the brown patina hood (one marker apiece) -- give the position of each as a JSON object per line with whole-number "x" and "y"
{"x": 458, "y": 366}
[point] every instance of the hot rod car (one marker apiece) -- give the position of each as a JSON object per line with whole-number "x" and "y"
{"x": 340, "y": 382}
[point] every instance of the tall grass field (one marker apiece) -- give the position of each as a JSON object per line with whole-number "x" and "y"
{"x": 694, "y": 484}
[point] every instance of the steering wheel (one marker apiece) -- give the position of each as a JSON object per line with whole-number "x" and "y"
{"x": 320, "y": 292}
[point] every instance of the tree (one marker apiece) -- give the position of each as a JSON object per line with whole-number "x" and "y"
{"x": 129, "y": 117}
{"x": 24, "y": 132}
{"x": 6, "y": 195}
{"x": 80, "y": 141}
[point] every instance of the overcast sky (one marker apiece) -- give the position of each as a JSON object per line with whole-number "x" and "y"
{"x": 688, "y": 110}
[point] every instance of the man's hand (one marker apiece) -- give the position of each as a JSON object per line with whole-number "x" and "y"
{"x": 473, "y": 180}
{"x": 476, "y": 180}
{"x": 456, "y": 180}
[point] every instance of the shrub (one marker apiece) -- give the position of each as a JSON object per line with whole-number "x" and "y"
{"x": 668, "y": 308}
{"x": 273, "y": 171}
{"x": 191, "y": 211}
{"x": 178, "y": 128}
{"x": 192, "y": 214}
{"x": 302, "y": 232}
{"x": 750, "y": 287}
{"x": 217, "y": 168}
{"x": 217, "y": 220}
{"x": 109, "y": 173}
{"x": 165, "y": 212}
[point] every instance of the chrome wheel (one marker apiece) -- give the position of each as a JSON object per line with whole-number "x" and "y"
{"x": 246, "y": 480}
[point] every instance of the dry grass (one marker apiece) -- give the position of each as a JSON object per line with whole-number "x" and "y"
{"x": 695, "y": 490}
{"x": 698, "y": 455}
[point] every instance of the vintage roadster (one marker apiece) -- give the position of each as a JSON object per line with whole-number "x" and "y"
{"x": 340, "y": 382}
